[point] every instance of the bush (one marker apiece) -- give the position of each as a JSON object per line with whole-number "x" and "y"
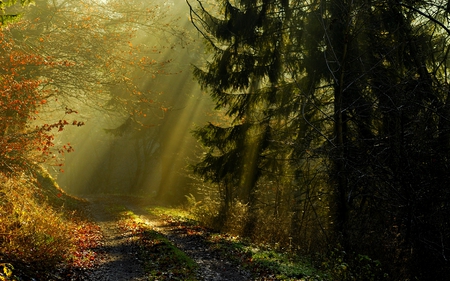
{"x": 30, "y": 231}
{"x": 35, "y": 230}
{"x": 356, "y": 267}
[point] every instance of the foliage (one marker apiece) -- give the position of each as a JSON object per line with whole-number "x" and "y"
{"x": 37, "y": 231}
{"x": 265, "y": 261}
{"x": 86, "y": 237}
{"x": 162, "y": 260}
{"x": 358, "y": 267}
{"x": 23, "y": 96}
{"x": 344, "y": 136}
{"x": 7, "y": 271}
{"x": 117, "y": 79}
{"x": 243, "y": 78}
{"x": 206, "y": 211}
{"x": 108, "y": 56}
{"x": 8, "y": 11}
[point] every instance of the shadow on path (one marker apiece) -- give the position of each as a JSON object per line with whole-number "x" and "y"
{"x": 119, "y": 252}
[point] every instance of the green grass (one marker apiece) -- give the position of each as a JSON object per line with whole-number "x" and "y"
{"x": 261, "y": 261}
{"x": 163, "y": 261}
{"x": 174, "y": 213}
{"x": 282, "y": 265}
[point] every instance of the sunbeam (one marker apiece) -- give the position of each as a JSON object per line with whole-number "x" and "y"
{"x": 140, "y": 140}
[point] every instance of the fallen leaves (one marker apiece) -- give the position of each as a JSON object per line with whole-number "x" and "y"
{"x": 86, "y": 238}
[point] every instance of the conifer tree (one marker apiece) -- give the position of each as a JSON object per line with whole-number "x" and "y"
{"x": 388, "y": 99}
{"x": 362, "y": 86}
{"x": 245, "y": 80}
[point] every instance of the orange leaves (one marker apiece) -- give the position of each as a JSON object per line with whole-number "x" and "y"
{"x": 77, "y": 123}
{"x": 19, "y": 99}
{"x": 60, "y": 125}
{"x": 86, "y": 237}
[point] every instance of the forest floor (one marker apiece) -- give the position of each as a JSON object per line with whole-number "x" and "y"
{"x": 129, "y": 232}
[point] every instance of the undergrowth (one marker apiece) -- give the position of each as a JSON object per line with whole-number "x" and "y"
{"x": 263, "y": 262}
{"x": 162, "y": 260}
{"x": 37, "y": 223}
{"x": 276, "y": 254}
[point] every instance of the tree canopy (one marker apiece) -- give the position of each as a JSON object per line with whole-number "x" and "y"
{"x": 335, "y": 101}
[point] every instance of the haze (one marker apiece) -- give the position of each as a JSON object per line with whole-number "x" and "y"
{"x": 130, "y": 82}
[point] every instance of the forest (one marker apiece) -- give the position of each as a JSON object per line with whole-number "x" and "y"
{"x": 317, "y": 128}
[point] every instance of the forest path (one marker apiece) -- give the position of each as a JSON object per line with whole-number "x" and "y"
{"x": 119, "y": 251}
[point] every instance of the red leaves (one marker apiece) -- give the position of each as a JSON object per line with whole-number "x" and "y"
{"x": 21, "y": 96}
{"x": 77, "y": 123}
{"x": 86, "y": 237}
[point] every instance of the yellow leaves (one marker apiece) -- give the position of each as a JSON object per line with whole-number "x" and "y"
{"x": 7, "y": 271}
{"x": 130, "y": 44}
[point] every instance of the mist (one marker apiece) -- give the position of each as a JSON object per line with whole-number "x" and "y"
{"x": 136, "y": 137}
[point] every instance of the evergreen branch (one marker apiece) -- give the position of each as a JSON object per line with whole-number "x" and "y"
{"x": 426, "y": 15}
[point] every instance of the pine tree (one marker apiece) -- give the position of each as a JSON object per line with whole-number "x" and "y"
{"x": 362, "y": 86}
{"x": 245, "y": 80}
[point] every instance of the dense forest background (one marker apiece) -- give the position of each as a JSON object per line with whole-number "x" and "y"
{"x": 326, "y": 130}
{"x": 337, "y": 132}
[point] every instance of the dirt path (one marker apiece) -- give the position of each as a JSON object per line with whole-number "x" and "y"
{"x": 119, "y": 256}
{"x": 118, "y": 253}
{"x": 212, "y": 266}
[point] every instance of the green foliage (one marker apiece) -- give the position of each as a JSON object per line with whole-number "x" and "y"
{"x": 176, "y": 213}
{"x": 6, "y": 18}
{"x": 357, "y": 267}
{"x": 164, "y": 261}
{"x": 261, "y": 260}
{"x": 358, "y": 88}
{"x": 265, "y": 260}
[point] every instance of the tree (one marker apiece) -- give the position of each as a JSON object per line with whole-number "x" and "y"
{"x": 357, "y": 90}
{"x": 9, "y": 11}
{"x": 245, "y": 80}
{"x": 22, "y": 97}
{"x": 116, "y": 53}
{"x": 387, "y": 124}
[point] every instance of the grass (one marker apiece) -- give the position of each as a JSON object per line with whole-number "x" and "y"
{"x": 261, "y": 261}
{"x": 265, "y": 261}
{"x": 38, "y": 226}
{"x": 162, "y": 260}
{"x": 172, "y": 212}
